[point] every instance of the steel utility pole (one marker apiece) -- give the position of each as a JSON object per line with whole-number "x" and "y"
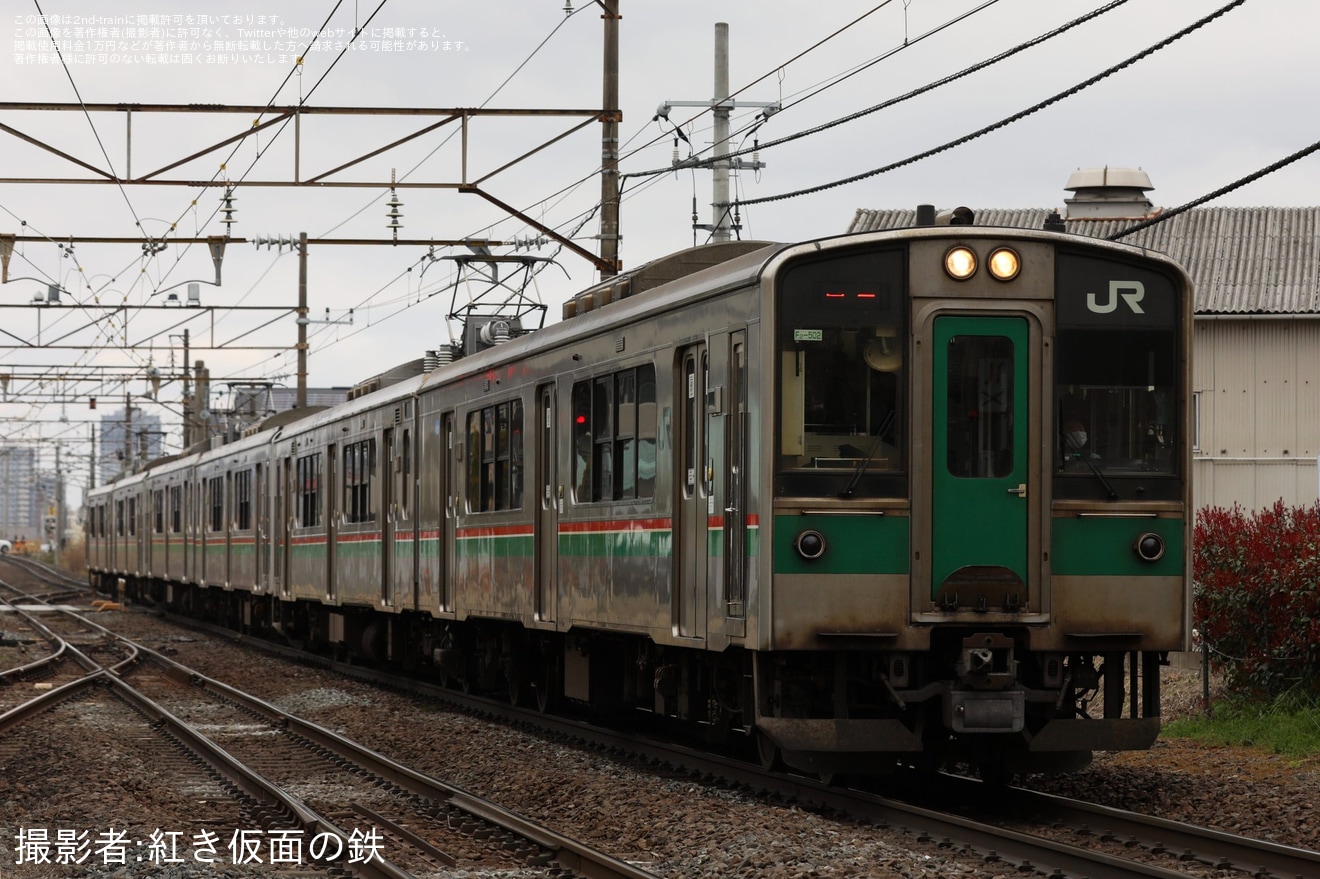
{"x": 58, "y": 537}
{"x": 128, "y": 432}
{"x": 302, "y": 321}
{"x": 721, "y": 226}
{"x": 187, "y": 396}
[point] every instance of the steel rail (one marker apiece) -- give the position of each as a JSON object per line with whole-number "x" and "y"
{"x": 976, "y": 839}
{"x": 251, "y": 783}
{"x": 1214, "y": 848}
{"x": 567, "y": 851}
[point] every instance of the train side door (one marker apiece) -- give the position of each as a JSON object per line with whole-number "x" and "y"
{"x": 201, "y": 529}
{"x": 410, "y": 508}
{"x": 693, "y": 496}
{"x": 261, "y": 575}
{"x": 980, "y": 482}
{"x": 550, "y": 494}
{"x": 283, "y": 513}
{"x": 449, "y": 487}
{"x": 388, "y": 515}
{"x": 330, "y": 498}
{"x": 735, "y": 490}
{"x": 186, "y": 531}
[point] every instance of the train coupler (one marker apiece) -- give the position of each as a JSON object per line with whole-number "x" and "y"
{"x": 985, "y": 711}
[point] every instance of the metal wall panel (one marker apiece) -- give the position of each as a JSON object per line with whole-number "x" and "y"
{"x": 1273, "y": 347}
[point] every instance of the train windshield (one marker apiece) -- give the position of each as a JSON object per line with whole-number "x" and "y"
{"x": 1116, "y": 375}
{"x": 841, "y": 348}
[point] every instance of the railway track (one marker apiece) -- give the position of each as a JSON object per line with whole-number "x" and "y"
{"x": 1077, "y": 839}
{"x": 1064, "y": 837}
{"x": 290, "y": 780}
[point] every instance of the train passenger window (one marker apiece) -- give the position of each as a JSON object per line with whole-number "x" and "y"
{"x": 359, "y": 470}
{"x": 119, "y": 518}
{"x": 243, "y": 500}
{"x": 602, "y": 410}
{"x": 176, "y": 509}
{"x": 841, "y": 336}
{"x": 132, "y": 516}
{"x": 515, "y": 453}
{"x": 625, "y": 442}
{"x": 495, "y": 462}
{"x": 582, "y": 442}
{"x": 309, "y": 491}
{"x": 216, "y": 504}
{"x": 614, "y": 436}
{"x": 474, "y": 455}
{"x": 646, "y": 426}
{"x": 158, "y": 511}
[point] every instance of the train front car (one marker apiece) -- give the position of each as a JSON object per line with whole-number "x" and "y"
{"x": 978, "y": 452}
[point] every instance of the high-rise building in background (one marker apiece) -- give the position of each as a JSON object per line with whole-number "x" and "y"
{"x": 123, "y": 441}
{"x": 24, "y": 493}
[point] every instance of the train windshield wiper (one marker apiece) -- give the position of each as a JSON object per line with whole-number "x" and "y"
{"x": 870, "y": 453}
{"x": 1090, "y": 465}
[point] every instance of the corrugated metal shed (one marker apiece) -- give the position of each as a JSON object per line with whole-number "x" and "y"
{"x": 1242, "y": 260}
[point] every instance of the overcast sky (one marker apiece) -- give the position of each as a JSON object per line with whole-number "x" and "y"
{"x": 1218, "y": 104}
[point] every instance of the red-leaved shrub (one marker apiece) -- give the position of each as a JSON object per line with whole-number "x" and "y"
{"x": 1257, "y": 595}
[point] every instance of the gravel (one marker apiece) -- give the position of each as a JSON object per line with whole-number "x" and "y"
{"x": 676, "y": 826}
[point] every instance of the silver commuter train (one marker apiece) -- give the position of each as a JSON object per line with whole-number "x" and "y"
{"x": 911, "y": 496}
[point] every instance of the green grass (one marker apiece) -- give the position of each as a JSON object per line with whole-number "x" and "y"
{"x": 1289, "y": 725}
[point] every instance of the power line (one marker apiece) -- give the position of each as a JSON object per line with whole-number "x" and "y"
{"x": 1223, "y": 190}
{"x": 1008, "y": 120}
{"x": 929, "y": 87}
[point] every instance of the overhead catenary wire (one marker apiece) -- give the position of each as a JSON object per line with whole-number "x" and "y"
{"x": 664, "y": 135}
{"x": 96, "y": 134}
{"x": 144, "y": 259}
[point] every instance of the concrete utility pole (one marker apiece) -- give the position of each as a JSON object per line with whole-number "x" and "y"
{"x": 609, "y": 144}
{"x": 720, "y": 204}
{"x": 721, "y": 226}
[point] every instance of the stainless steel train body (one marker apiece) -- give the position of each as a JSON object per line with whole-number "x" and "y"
{"x": 914, "y": 495}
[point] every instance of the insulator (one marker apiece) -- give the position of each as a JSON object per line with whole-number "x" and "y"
{"x": 495, "y": 332}
{"x": 444, "y": 354}
{"x": 227, "y": 208}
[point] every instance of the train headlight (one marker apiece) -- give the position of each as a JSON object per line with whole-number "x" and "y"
{"x": 960, "y": 263}
{"x": 1004, "y": 264}
{"x": 810, "y": 544}
{"x": 1149, "y": 547}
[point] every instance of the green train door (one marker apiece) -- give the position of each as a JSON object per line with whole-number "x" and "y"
{"x": 980, "y": 483}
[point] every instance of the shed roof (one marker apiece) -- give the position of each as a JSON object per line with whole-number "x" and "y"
{"x": 1242, "y": 260}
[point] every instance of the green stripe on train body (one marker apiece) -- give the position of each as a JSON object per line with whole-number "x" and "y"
{"x": 494, "y": 546}
{"x": 615, "y": 544}
{"x": 853, "y": 544}
{"x": 1104, "y": 546}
